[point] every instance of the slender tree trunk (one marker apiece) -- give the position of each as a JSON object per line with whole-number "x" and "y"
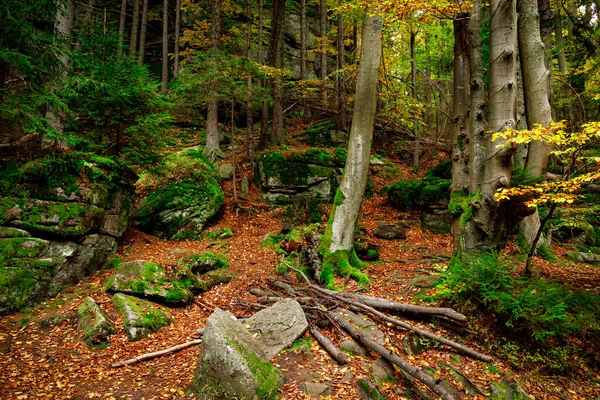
{"x": 323, "y": 15}
{"x": 142, "y": 51}
{"x": 427, "y": 114}
{"x": 275, "y": 60}
{"x": 177, "y": 33}
{"x": 249, "y": 108}
{"x": 477, "y": 89}
{"x": 303, "y": 29}
{"x": 460, "y": 132}
{"x": 560, "y": 41}
{"x": 350, "y": 193}
{"x": 340, "y": 78}
{"x": 134, "y": 27}
{"x": 122, "y": 20}
{"x": 413, "y": 70}
{"x": 212, "y": 149}
{"x": 89, "y": 13}
{"x": 264, "y": 121}
{"x": 165, "y": 47}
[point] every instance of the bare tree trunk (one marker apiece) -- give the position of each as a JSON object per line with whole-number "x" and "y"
{"x": 413, "y": 70}
{"x": 427, "y": 114}
{"x": 134, "y": 27}
{"x": 165, "y": 47}
{"x": 264, "y": 121}
{"x": 122, "y": 20}
{"x": 536, "y": 83}
{"x": 142, "y": 51}
{"x": 560, "y": 41}
{"x": 492, "y": 220}
{"x": 89, "y": 13}
{"x": 249, "y": 108}
{"x": 212, "y": 150}
{"x": 177, "y": 33}
{"x": 275, "y": 60}
{"x": 337, "y": 244}
{"x": 460, "y": 132}
{"x": 323, "y": 55}
{"x": 303, "y": 29}
{"x": 340, "y": 78}
{"x": 477, "y": 89}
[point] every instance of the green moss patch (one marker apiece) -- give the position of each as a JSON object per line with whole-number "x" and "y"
{"x": 23, "y": 282}
{"x": 268, "y": 377}
{"x": 140, "y": 317}
{"x": 93, "y": 323}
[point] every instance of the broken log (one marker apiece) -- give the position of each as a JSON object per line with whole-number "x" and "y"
{"x": 392, "y": 357}
{"x": 156, "y": 354}
{"x": 328, "y": 346}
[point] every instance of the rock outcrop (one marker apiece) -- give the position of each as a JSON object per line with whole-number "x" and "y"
{"x": 182, "y": 201}
{"x": 140, "y": 317}
{"x": 60, "y": 218}
{"x": 93, "y": 323}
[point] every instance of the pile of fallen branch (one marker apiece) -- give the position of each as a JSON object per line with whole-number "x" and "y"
{"x": 319, "y": 305}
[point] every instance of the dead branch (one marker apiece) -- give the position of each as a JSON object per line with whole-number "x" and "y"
{"x": 150, "y": 356}
{"x": 392, "y": 357}
{"x": 324, "y": 341}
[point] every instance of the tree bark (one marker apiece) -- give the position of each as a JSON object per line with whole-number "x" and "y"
{"x": 324, "y": 341}
{"x": 303, "y": 29}
{"x": 122, "y": 20}
{"x": 323, "y": 55}
{"x": 142, "y": 50}
{"x": 177, "y": 33}
{"x": 413, "y": 72}
{"x": 477, "y": 89}
{"x": 249, "y": 108}
{"x": 560, "y": 41}
{"x": 165, "y": 47}
{"x": 274, "y": 58}
{"x": 492, "y": 221}
{"x": 134, "y": 27}
{"x": 150, "y": 356}
{"x": 337, "y": 244}
{"x": 264, "y": 121}
{"x": 212, "y": 150}
{"x": 342, "y": 96}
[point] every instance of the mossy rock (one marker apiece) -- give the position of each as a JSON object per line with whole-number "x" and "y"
{"x": 324, "y": 134}
{"x": 148, "y": 281}
{"x": 8, "y": 233}
{"x": 64, "y": 220}
{"x": 94, "y": 323}
{"x": 24, "y": 281}
{"x": 420, "y": 194}
{"x": 199, "y": 264}
{"x": 179, "y": 210}
{"x": 313, "y": 173}
{"x": 507, "y": 390}
{"x": 140, "y": 317}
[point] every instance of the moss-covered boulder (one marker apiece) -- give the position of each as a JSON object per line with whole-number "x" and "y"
{"x": 147, "y": 280}
{"x": 93, "y": 323}
{"x": 140, "y": 317}
{"x": 78, "y": 203}
{"x": 232, "y": 363}
{"x": 183, "y": 200}
{"x": 286, "y": 176}
{"x": 199, "y": 273}
{"x": 325, "y": 134}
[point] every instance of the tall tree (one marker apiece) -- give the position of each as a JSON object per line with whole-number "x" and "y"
{"x": 249, "y": 108}
{"x": 142, "y": 51}
{"x": 165, "y": 48}
{"x": 177, "y": 33}
{"x": 212, "y": 149}
{"x": 134, "y": 27}
{"x": 536, "y": 83}
{"x": 413, "y": 74}
{"x": 342, "y": 96}
{"x": 323, "y": 26}
{"x": 275, "y": 60}
{"x": 264, "y": 121}
{"x": 337, "y": 244}
{"x": 303, "y": 29}
{"x": 122, "y": 20}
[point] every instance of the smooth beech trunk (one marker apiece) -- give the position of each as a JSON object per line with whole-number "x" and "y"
{"x": 323, "y": 55}
{"x": 337, "y": 245}
{"x": 477, "y": 89}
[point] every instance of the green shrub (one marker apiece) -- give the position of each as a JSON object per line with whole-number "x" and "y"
{"x": 540, "y": 306}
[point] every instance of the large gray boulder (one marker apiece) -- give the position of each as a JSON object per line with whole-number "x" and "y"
{"x": 278, "y": 326}
{"x": 140, "y": 317}
{"x": 233, "y": 362}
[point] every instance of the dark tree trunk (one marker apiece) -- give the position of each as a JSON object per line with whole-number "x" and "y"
{"x": 165, "y": 47}
{"x": 340, "y": 78}
{"x": 323, "y": 15}
{"x": 177, "y": 33}
{"x": 413, "y": 70}
{"x": 142, "y": 50}
{"x": 249, "y": 108}
{"x": 275, "y": 60}
{"x": 122, "y": 20}
{"x": 134, "y": 27}
{"x": 303, "y": 29}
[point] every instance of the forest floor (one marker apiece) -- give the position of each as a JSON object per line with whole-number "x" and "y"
{"x": 42, "y": 355}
